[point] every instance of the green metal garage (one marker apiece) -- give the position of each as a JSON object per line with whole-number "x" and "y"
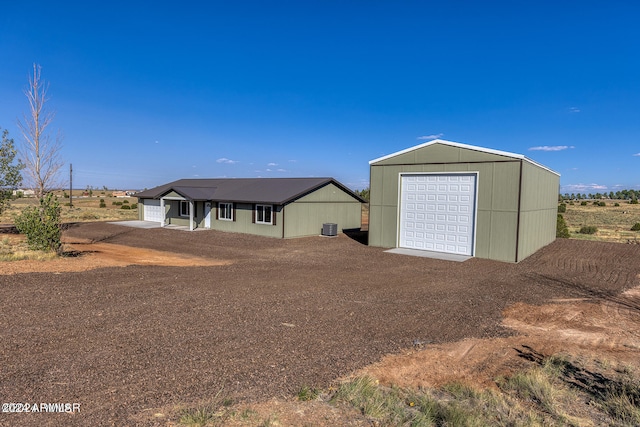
{"x": 454, "y": 198}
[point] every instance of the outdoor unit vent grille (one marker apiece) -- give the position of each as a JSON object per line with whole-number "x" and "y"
{"x": 329, "y": 229}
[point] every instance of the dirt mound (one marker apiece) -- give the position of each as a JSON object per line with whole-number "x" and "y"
{"x": 603, "y": 329}
{"x": 83, "y": 256}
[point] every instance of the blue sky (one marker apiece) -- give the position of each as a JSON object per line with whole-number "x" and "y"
{"x": 149, "y": 92}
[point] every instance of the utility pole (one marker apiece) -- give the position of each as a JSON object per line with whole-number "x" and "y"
{"x": 70, "y": 185}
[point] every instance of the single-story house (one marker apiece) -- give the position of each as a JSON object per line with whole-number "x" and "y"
{"x": 455, "y": 198}
{"x": 274, "y": 207}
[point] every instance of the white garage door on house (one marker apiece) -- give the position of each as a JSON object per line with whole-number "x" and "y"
{"x": 437, "y": 212}
{"x": 152, "y": 210}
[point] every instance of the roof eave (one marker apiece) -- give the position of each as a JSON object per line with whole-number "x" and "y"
{"x": 466, "y": 146}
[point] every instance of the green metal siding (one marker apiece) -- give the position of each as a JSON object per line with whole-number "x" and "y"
{"x": 329, "y": 204}
{"x": 172, "y": 213}
{"x": 497, "y": 204}
{"x": 439, "y": 153}
{"x": 502, "y": 236}
{"x": 243, "y": 221}
{"x": 511, "y": 217}
{"x": 538, "y": 209}
{"x": 174, "y": 195}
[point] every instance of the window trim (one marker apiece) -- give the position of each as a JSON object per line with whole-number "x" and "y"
{"x": 229, "y": 206}
{"x": 261, "y": 208}
{"x": 187, "y": 209}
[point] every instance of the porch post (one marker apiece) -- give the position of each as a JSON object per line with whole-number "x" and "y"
{"x": 190, "y": 215}
{"x": 163, "y": 211}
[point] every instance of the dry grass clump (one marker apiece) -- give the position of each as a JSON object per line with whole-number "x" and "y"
{"x": 556, "y": 391}
{"x": 17, "y": 250}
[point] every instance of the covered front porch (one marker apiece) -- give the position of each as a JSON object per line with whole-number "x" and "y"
{"x": 184, "y": 212}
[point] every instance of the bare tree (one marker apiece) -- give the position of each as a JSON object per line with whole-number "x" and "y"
{"x": 40, "y": 153}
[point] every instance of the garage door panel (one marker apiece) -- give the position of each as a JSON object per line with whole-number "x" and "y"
{"x": 444, "y": 210}
{"x": 152, "y": 210}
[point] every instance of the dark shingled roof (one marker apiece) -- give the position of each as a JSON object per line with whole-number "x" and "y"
{"x": 276, "y": 191}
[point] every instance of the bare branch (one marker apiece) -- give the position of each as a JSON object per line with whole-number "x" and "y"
{"x": 40, "y": 154}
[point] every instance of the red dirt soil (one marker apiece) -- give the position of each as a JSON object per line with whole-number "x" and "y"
{"x": 270, "y": 316}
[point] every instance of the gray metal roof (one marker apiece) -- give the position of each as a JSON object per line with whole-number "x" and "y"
{"x": 276, "y": 191}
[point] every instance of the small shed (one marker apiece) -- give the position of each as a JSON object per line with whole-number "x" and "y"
{"x": 273, "y": 207}
{"x": 455, "y": 198}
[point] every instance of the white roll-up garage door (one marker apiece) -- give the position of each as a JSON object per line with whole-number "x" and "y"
{"x": 437, "y": 212}
{"x": 152, "y": 210}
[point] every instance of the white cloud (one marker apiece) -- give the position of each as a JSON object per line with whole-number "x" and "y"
{"x": 636, "y": 155}
{"x": 571, "y": 188}
{"x": 272, "y": 164}
{"x": 551, "y": 148}
{"x": 282, "y": 170}
{"x": 430, "y": 137}
{"x": 293, "y": 161}
{"x": 574, "y": 110}
{"x": 227, "y": 161}
{"x": 268, "y": 170}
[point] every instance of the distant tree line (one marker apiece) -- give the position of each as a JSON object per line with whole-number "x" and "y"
{"x": 618, "y": 195}
{"x": 363, "y": 193}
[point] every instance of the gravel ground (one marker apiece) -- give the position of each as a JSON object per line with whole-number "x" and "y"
{"x": 123, "y": 341}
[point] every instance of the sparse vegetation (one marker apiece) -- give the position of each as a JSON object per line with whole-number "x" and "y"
{"x": 10, "y": 176}
{"x": 17, "y": 250}
{"x": 75, "y": 213}
{"x": 556, "y": 391}
{"x": 562, "y": 230}
{"x": 307, "y": 393}
{"x": 199, "y": 417}
{"x": 562, "y": 208}
{"x": 613, "y": 223}
{"x": 588, "y": 229}
{"x": 636, "y": 227}
{"x": 41, "y": 224}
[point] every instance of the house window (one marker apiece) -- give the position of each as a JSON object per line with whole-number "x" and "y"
{"x": 225, "y": 211}
{"x": 264, "y": 214}
{"x": 184, "y": 208}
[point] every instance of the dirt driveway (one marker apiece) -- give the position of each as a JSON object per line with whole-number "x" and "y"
{"x": 259, "y": 319}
